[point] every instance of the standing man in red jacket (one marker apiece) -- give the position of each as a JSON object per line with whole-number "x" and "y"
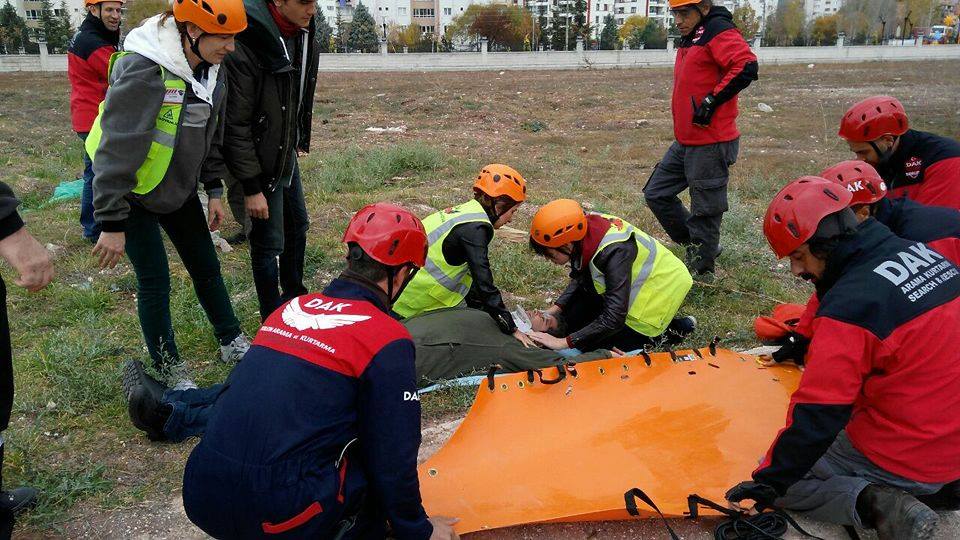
{"x": 87, "y": 61}
{"x": 915, "y": 164}
{"x": 872, "y": 430}
{"x": 713, "y": 65}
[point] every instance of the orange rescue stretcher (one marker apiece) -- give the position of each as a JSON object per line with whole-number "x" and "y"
{"x": 565, "y": 444}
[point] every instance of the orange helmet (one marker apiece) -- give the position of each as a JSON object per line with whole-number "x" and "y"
{"x": 212, "y": 16}
{"x": 784, "y": 320}
{"x": 498, "y": 180}
{"x": 558, "y": 223}
{"x": 95, "y": 2}
{"x": 674, "y": 4}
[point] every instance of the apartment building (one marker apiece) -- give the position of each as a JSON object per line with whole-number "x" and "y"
{"x": 31, "y": 10}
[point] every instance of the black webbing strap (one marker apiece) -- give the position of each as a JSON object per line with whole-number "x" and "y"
{"x": 630, "y": 503}
{"x": 646, "y": 357}
{"x": 769, "y": 524}
{"x": 713, "y": 345}
{"x": 561, "y": 375}
{"x": 491, "y": 371}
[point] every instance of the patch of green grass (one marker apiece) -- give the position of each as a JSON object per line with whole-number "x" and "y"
{"x": 359, "y": 170}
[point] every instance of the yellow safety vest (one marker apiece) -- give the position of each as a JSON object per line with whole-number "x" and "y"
{"x": 155, "y": 166}
{"x": 659, "y": 281}
{"x": 440, "y": 284}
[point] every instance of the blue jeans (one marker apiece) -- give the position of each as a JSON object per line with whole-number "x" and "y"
{"x": 191, "y": 410}
{"x": 91, "y": 229}
{"x": 278, "y": 246}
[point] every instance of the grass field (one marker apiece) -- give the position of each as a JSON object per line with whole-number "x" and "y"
{"x": 591, "y": 135}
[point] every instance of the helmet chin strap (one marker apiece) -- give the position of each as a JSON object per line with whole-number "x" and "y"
{"x": 883, "y": 156}
{"x": 391, "y": 274}
{"x": 201, "y": 70}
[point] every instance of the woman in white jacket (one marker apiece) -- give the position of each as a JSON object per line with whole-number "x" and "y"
{"x": 157, "y": 136}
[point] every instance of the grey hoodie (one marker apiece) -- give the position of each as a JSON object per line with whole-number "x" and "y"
{"x": 133, "y": 101}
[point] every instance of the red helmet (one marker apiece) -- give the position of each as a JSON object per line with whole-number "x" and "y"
{"x": 873, "y": 118}
{"x": 860, "y": 179}
{"x": 389, "y": 235}
{"x": 796, "y": 211}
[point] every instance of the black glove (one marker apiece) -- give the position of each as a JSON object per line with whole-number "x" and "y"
{"x": 762, "y": 494}
{"x": 703, "y": 113}
{"x": 793, "y": 348}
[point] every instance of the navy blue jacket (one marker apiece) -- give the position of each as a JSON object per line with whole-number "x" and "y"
{"x": 321, "y": 418}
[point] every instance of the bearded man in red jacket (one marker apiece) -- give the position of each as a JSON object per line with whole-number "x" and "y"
{"x": 713, "y": 65}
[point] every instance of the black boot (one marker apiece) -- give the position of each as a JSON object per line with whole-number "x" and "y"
{"x": 895, "y": 514}
{"x": 145, "y": 403}
{"x": 948, "y": 498}
{"x": 18, "y": 499}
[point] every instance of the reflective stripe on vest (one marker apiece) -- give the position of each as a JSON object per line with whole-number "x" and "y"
{"x": 440, "y": 284}
{"x": 160, "y": 154}
{"x": 652, "y": 308}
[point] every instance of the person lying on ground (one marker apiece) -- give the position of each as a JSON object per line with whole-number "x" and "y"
{"x": 936, "y": 226}
{"x": 450, "y": 343}
{"x": 458, "y": 268}
{"x": 455, "y": 342}
{"x": 157, "y": 137}
{"x": 625, "y": 287}
{"x": 322, "y": 413}
{"x": 871, "y": 432}
{"x": 920, "y": 166}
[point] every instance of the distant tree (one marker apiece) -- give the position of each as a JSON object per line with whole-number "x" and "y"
{"x": 408, "y": 36}
{"x": 363, "y": 31}
{"x": 609, "y": 36}
{"x": 137, "y": 11}
{"x": 632, "y": 22}
{"x": 787, "y": 24}
{"x": 343, "y": 33}
{"x": 580, "y": 26}
{"x": 543, "y": 32}
{"x": 13, "y": 30}
{"x": 558, "y": 29}
{"x": 506, "y": 27}
{"x": 56, "y": 28}
{"x": 747, "y": 21}
{"x": 823, "y": 30}
{"x": 324, "y": 32}
{"x": 645, "y": 31}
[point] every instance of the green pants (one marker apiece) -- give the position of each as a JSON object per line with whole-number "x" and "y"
{"x": 461, "y": 341}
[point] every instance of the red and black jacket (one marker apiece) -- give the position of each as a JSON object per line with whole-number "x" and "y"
{"x": 925, "y": 168}
{"x": 713, "y": 59}
{"x": 87, "y": 61}
{"x": 883, "y": 364}
{"x": 936, "y": 226}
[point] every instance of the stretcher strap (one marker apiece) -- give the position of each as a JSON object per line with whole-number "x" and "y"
{"x": 770, "y": 524}
{"x": 561, "y": 375}
{"x": 630, "y": 502}
{"x": 491, "y": 371}
{"x": 713, "y": 345}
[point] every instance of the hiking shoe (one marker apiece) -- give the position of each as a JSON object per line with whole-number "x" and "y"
{"x": 135, "y": 374}
{"x": 895, "y": 514}
{"x": 233, "y": 352}
{"x": 148, "y": 413}
{"x": 19, "y": 499}
{"x": 178, "y": 377}
{"x": 680, "y": 328}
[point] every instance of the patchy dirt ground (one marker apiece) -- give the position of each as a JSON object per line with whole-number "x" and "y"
{"x": 594, "y": 135}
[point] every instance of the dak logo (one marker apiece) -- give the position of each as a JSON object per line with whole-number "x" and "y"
{"x": 293, "y": 315}
{"x": 699, "y": 34}
{"x": 912, "y": 167}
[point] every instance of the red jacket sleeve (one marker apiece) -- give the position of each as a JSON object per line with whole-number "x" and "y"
{"x": 99, "y": 61}
{"x": 838, "y": 361}
{"x": 731, "y": 52}
{"x": 941, "y": 184}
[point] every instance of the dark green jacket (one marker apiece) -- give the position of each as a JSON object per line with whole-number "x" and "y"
{"x": 463, "y": 341}
{"x": 267, "y": 119}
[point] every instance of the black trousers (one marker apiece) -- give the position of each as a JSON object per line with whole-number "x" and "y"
{"x": 6, "y": 399}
